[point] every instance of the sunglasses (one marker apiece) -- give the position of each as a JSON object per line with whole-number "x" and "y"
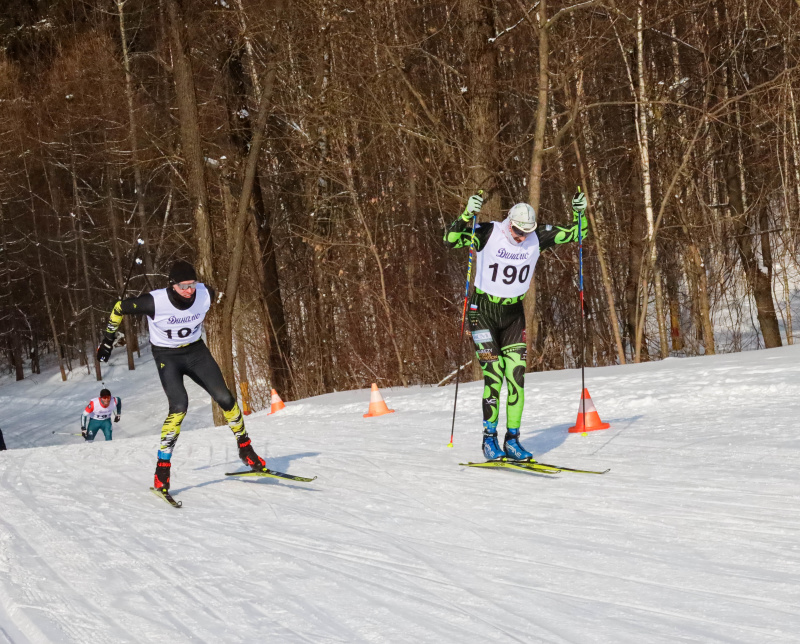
{"x": 518, "y": 232}
{"x": 186, "y": 287}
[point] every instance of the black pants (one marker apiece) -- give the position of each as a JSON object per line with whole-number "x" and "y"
{"x": 195, "y": 361}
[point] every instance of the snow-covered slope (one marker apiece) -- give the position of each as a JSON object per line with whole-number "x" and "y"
{"x": 694, "y": 535}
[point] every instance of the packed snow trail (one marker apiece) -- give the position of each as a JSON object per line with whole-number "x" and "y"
{"x": 692, "y": 536}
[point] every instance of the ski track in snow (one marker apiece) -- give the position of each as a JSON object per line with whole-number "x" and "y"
{"x": 692, "y": 536}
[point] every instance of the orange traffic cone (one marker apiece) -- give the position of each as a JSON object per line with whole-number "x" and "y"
{"x": 276, "y": 403}
{"x": 588, "y": 418}
{"x": 376, "y": 405}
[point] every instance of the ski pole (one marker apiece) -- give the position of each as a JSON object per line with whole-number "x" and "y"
{"x": 583, "y": 318}
{"x": 463, "y": 320}
{"x": 136, "y": 260}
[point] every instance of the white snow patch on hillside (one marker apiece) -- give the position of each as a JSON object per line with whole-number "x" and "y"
{"x": 692, "y": 536}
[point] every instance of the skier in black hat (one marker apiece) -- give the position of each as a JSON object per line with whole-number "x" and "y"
{"x": 175, "y": 320}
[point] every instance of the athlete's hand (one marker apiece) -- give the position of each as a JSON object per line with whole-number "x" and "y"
{"x": 474, "y": 204}
{"x": 116, "y": 419}
{"x": 83, "y": 432}
{"x": 578, "y": 205}
{"x": 104, "y": 350}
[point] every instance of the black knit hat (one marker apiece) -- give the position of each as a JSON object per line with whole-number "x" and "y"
{"x": 105, "y": 393}
{"x": 181, "y": 271}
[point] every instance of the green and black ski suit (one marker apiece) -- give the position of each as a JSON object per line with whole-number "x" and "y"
{"x": 497, "y": 322}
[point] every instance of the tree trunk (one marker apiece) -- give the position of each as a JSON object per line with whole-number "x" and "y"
{"x": 132, "y": 129}
{"x": 535, "y": 174}
{"x": 46, "y": 294}
{"x": 596, "y": 221}
{"x": 241, "y": 360}
{"x": 481, "y": 55}
{"x": 191, "y": 144}
{"x": 192, "y": 149}
{"x": 373, "y": 249}
{"x": 674, "y": 308}
{"x": 239, "y": 228}
{"x": 633, "y": 293}
{"x": 278, "y": 340}
{"x": 643, "y": 136}
{"x": 93, "y": 328}
{"x": 118, "y": 272}
{"x": 757, "y": 280}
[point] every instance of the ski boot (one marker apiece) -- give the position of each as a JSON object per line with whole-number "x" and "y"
{"x": 511, "y": 445}
{"x": 161, "y": 479}
{"x": 491, "y": 449}
{"x": 248, "y": 454}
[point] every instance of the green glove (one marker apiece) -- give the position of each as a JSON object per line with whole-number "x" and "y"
{"x": 578, "y": 205}
{"x": 474, "y": 204}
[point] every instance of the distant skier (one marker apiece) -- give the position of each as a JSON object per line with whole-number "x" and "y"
{"x": 175, "y": 320}
{"x": 507, "y": 252}
{"x": 2, "y": 442}
{"x": 98, "y": 414}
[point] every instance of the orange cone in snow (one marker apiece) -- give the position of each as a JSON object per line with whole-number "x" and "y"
{"x": 276, "y": 404}
{"x": 376, "y": 405}
{"x": 588, "y": 418}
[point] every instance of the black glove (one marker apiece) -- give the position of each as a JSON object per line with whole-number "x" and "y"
{"x": 83, "y": 432}
{"x": 104, "y": 350}
{"x": 116, "y": 419}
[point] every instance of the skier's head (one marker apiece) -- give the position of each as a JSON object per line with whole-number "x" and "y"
{"x": 523, "y": 219}
{"x": 183, "y": 278}
{"x": 105, "y": 393}
{"x": 182, "y": 271}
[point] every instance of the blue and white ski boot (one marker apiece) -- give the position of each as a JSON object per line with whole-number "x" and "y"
{"x": 491, "y": 449}
{"x": 514, "y": 451}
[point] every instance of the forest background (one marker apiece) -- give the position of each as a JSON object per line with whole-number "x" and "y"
{"x": 308, "y": 156}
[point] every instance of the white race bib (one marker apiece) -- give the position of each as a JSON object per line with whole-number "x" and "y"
{"x": 99, "y": 412}
{"x": 505, "y": 269}
{"x": 171, "y": 327}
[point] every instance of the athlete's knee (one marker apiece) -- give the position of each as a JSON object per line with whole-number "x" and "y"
{"x": 180, "y": 406}
{"x": 225, "y": 400}
{"x": 514, "y": 368}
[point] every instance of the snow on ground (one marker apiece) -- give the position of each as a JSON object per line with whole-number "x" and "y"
{"x": 692, "y": 536}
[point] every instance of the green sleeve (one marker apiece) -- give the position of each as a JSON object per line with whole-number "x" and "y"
{"x": 460, "y": 234}
{"x": 550, "y": 236}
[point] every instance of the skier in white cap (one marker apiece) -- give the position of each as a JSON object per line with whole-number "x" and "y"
{"x": 507, "y": 252}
